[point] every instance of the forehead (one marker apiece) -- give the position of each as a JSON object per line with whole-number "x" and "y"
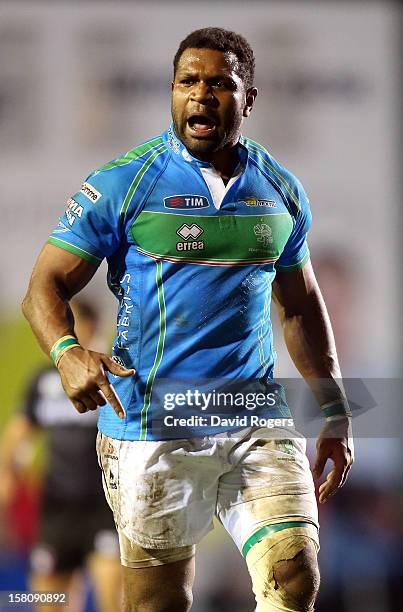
{"x": 209, "y": 61}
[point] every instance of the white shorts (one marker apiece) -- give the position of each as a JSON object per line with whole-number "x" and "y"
{"x": 165, "y": 494}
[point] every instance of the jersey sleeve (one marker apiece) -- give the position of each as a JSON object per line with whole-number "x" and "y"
{"x": 90, "y": 227}
{"x": 296, "y": 251}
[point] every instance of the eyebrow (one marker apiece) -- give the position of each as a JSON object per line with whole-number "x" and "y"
{"x": 187, "y": 73}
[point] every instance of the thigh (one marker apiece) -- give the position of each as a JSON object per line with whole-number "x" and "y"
{"x": 162, "y": 494}
{"x": 270, "y": 485}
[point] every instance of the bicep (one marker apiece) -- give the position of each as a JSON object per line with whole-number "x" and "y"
{"x": 61, "y": 270}
{"x": 292, "y": 289}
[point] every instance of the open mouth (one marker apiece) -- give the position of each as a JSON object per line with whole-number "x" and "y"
{"x": 201, "y": 125}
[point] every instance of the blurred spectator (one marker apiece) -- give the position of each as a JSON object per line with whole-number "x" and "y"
{"x": 76, "y": 525}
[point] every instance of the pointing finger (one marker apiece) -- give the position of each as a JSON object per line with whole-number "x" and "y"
{"x": 112, "y": 397}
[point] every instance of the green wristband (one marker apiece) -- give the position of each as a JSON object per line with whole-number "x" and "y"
{"x": 338, "y": 407}
{"x": 61, "y": 346}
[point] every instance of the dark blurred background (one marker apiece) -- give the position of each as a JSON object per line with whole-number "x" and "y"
{"x": 81, "y": 83}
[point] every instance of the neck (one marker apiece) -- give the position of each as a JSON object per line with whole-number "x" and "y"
{"x": 224, "y": 161}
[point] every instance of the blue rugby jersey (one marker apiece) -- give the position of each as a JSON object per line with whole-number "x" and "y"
{"x": 193, "y": 282}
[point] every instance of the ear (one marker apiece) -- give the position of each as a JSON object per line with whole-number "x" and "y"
{"x": 172, "y": 85}
{"x": 250, "y": 100}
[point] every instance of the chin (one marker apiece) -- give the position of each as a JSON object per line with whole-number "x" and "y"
{"x": 201, "y": 146}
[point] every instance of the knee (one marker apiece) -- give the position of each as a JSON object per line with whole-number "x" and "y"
{"x": 299, "y": 578}
{"x": 161, "y": 600}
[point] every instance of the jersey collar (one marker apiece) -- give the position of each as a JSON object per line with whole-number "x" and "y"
{"x": 180, "y": 150}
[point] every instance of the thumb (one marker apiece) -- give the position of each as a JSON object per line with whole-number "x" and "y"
{"x": 115, "y": 368}
{"x": 319, "y": 465}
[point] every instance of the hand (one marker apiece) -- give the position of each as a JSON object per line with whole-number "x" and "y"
{"x": 84, "y": 380}
{"x": 334, "y": 442}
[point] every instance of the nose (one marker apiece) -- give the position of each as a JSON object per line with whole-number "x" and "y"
{"x": 202, "y": 93}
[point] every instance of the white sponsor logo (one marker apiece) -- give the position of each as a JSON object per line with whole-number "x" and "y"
{"x": 263, "y": 233}
{"x": 90, "y": 192}
{"x": 125, "y": 313}
{"x": 190, "y": 246}
{"x": 74, "y": 210}
{"x": 189, "y": 231}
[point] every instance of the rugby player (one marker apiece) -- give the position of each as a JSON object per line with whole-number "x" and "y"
{"x": 199, "y": 226}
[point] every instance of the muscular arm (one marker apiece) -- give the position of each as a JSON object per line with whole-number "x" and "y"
{"x": 57, "y": 276}
{"x": 307, "y": 331}
{"x": 309, "y": 338}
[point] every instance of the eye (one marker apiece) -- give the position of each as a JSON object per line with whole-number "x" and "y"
{"x": 227, "y": 84}
{"x": 187, "y": 81}
{"x": 218, "y": 83}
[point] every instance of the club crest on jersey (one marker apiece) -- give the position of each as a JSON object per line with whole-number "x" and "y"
{"x": 263, "y": 233}
{"x": 186, "y": 201}
{"x": 257, "y": 202}
{"x": 190, "y": 233}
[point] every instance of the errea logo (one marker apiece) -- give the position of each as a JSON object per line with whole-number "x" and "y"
{"x": 190, "y": 233}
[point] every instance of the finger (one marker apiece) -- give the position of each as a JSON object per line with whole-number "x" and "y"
{"x": 98, "y": 398}
{"x": 79, "y": 406}
{"x": 320, "y": 463}
{"x": 115, "y": 368}
{"x": 332, "y": 483}
{"x": 345, "y": 475}
{"x": 112, "y": 397}
{"x": 88, "y": 402}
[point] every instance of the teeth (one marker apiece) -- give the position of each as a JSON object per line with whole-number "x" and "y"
{"x": 204, "y": 121}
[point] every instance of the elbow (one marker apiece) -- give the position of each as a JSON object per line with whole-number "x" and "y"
{"x": 25, "y": 305}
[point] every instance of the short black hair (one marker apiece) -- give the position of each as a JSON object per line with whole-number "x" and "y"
{"x": 86, "y": 310}
{"x": 226, "y": 41}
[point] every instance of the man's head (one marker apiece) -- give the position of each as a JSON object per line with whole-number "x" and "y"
{"x": 86, "y": 319}
{"x": 212, "y": 89}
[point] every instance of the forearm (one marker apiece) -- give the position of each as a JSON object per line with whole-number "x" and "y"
{"x": 48, "y": 312}
{"x": 310, "y": 341}
{"x": 56, "y": 278}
